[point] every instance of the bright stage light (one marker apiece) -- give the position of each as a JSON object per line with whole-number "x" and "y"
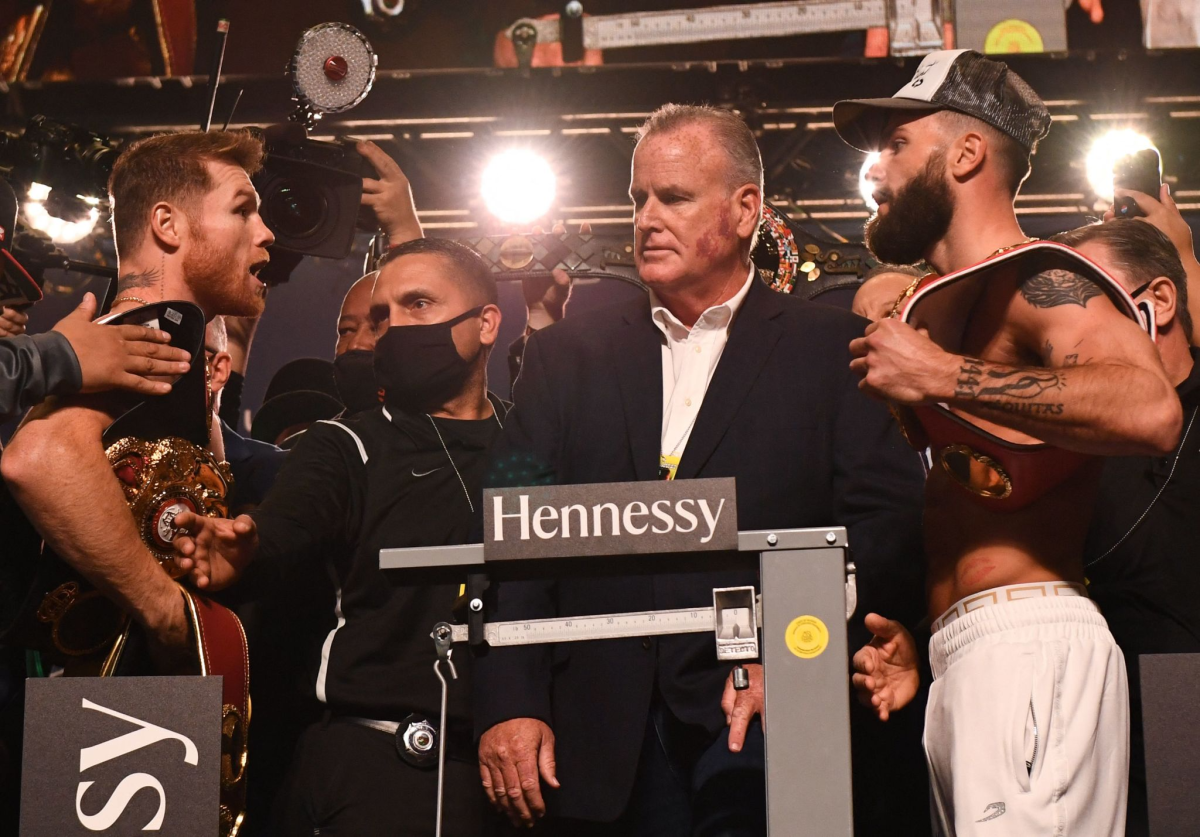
{"x": 866, "y": 188}
{"x": 1105, "y": 152}
{"x": 59, "y": 230}
{"x": 518, "y": 186}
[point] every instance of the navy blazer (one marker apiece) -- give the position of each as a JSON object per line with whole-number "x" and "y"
{"x": 782, "y": 414}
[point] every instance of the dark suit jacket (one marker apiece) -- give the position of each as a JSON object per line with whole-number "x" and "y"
{"x": 783, "y": 415}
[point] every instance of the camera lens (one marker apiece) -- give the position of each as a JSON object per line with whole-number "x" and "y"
{"x": 295, "y": 209}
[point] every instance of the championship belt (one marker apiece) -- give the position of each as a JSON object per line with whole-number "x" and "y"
{"x": 160, "y": 477}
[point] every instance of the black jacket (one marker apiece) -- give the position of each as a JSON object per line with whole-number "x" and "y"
{"x": 784, "y": 416}
{"x": 34, "y": 367}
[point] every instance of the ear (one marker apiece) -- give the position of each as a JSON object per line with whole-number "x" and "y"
{"x": 166, "y": 222}
{"x": 1166, "y": 300}
{"x": 966, "y": 154}
{"x": 219, "y": 369}
{"x": 489, "y": 324}
{"x": 748, "y": 202}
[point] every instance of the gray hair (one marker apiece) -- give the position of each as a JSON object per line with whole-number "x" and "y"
{"x": 732, "y": 133}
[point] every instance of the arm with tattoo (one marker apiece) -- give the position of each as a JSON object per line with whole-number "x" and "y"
{"x": 1115, "y": 401}
{"x": 1105, "y": 394}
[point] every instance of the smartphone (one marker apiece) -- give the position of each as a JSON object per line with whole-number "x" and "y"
{"x": 1140, "y": 171}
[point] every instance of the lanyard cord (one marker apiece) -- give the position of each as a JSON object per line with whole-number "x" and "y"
{"x": 446, "y": 450}
{"x": 1166, "y": 482}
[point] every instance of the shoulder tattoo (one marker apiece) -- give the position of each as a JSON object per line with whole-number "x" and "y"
{"x": 1052, "y": 288}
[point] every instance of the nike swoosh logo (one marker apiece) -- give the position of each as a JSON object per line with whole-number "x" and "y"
{"x": 425, "y": 473}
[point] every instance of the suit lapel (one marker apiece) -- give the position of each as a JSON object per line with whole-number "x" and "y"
{"x": 637, "y": 357}
{"x": 752, "y": 337}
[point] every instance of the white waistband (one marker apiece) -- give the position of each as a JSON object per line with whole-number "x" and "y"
{"x": 1009, "y": 593}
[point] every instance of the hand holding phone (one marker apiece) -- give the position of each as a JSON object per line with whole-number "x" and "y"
{"x": 1140, "y": 171}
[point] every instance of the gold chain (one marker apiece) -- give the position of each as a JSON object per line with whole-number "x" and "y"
{"x": 130, "y": 298}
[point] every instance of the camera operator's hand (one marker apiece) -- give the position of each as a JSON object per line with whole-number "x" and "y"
{"x": 390, "y": 197}
{"x": 123, "y": 356}
{"x": 1094, "y": 9}
{"x": 12, "y": 322}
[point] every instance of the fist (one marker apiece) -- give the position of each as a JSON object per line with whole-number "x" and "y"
{"x": 899, "y": 363}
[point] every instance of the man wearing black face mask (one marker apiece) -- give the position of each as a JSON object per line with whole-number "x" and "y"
{"x": 407, "y": 473}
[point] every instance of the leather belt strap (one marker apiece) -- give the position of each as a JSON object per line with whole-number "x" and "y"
{"x": 222, "y": 651}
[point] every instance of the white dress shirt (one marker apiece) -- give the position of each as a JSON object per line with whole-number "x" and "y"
{"x": 689, "y": 358}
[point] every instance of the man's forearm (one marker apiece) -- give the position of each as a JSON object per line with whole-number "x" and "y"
{"x": 1102, "y": 408}
{"x": 65, "y": 485}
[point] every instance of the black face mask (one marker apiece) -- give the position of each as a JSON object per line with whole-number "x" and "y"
{"x": 419, "y": 366}
{"x": 354, "y": 374}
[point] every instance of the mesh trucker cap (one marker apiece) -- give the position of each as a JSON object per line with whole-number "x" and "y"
{"x": 951, "y": 79}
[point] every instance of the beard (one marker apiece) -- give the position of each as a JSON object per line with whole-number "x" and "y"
{"x": 918, "y": 216}
{"x": 206, "y": 269}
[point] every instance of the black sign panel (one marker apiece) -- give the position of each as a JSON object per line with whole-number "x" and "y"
{"x": 121, "y": 756}
{"x": 618, "y": 518}
{"x": 1172, "y": 731}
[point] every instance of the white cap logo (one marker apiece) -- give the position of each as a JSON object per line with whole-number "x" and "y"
{"x": 929, "y": 75}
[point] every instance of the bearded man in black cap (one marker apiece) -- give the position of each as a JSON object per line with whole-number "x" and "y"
{"x": 1018, "y": 367}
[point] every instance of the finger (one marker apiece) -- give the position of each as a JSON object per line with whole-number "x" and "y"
{"x": 15, "y": 317}
{"x": 531, "y": 790}
{"x": 738, "y": 724}
{"x": 864, "y": 660}
{"x": 728, "y": 698}
{"x": 150, "y": 348}
{"x": 860, "y": 366}
{"x": 924, "y": 332}
{"x": 149, "y": 367}
{"x": 144, "y": 334}
{"x": 516, "y": 796}
{"x": 87, "y": 306}
{"x": 498, "y": 790}
{"x": 372, "y": 186}
{"x": 136, "y": 383}
{"x": 547, "y": 766}
{"x": 384, "y": 164}
{"x": 244, "y": 524}
{"x": 882, "y": 627}
{"x": 485, "y": 779}
{"x": 1165, "y": 198}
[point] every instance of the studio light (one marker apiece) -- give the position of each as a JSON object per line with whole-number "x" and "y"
{"x": 60, "y": 231}
{"x": 518, "y": 186}
{"x": 866, "y": 187}
{"x": 1105, "y": 152}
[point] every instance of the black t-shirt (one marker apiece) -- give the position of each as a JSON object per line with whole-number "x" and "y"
{"x": 348, "y": 489}
{"x": 1148, "y": 587}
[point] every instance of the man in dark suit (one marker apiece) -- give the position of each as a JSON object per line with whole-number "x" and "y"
{"x": 714, "y": 375}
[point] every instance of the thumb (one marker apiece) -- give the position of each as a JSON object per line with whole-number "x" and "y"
{"x": 87, "y": 307}
{"x": 881, "y": 627}
{"x": 546, "y": 765}
{"x": 1164, "y": 196}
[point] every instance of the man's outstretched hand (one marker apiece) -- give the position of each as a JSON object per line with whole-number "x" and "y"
{"x": 740, "y": 707}
{"x": 214, "y": 550}
{"x": 511, "y": 757}
{"x": 123, "y": 356}
{"x": 886, "y": 675}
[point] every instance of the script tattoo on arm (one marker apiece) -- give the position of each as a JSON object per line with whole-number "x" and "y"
{"x": 128, "y": 281}
{"x": 1052, "y": 288}
{"x": 1008, "y": 388}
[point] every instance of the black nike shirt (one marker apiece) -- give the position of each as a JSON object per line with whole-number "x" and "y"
{"x": 349, "y": 488}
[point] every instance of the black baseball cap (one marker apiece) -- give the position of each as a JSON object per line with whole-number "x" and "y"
{"x": 301, "y": 392}
{"x": 951, "y": 79}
